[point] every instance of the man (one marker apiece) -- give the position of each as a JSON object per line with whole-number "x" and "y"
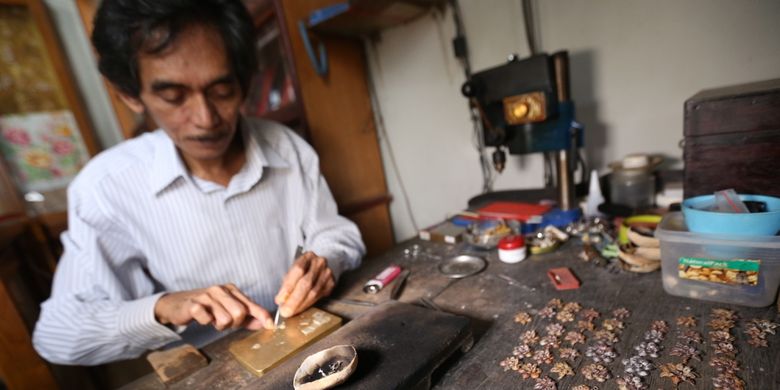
{"x": 192, "y": 228}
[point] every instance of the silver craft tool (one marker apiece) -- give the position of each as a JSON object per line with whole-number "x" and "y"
{"x": 278, "y": 318}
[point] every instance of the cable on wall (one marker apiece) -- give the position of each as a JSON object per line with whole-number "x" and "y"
{"x": 380, "y": 124}
{"x": 460, "y": 48}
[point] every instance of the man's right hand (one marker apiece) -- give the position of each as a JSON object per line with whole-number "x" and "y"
{"x": 223, "y": 306}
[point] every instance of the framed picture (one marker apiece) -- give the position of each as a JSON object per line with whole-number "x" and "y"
{"x": 45, "y": 133}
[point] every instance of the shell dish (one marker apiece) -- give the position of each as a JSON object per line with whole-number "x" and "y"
{"x": 326, "y": 369}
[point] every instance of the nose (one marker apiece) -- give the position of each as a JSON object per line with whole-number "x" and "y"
{"x": 204, "y": 113}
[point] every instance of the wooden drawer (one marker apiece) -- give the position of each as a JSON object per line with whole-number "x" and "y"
{"x": 732, "y": 140}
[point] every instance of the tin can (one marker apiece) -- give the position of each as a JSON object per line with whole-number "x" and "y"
{"x": 381, "y": 280}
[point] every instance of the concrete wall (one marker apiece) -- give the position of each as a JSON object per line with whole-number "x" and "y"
{"x": 633, "y": 64}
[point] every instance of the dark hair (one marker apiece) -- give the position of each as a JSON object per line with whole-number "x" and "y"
{"x": 125, "y": 27}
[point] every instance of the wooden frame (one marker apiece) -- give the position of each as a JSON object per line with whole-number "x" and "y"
{"x": 40, "y": 60}
{"x": 54, "y": 51}
{"x": 128, "y": 120}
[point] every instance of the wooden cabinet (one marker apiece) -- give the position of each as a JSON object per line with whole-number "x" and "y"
{"x": 333, "y": 112}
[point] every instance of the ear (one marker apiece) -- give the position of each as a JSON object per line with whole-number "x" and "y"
{"x": 133, "y": 103}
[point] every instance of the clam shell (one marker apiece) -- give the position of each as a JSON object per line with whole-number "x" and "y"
{"x": 312, "y": 367}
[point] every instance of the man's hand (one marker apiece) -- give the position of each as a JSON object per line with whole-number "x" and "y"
{"x": 223, "y": 306}
{"x": 308, "y": 280}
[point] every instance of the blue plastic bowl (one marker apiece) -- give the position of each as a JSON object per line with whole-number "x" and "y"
{"x": 700, "y": 220}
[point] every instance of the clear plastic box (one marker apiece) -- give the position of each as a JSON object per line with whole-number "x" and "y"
{"x": 728, "y": 269}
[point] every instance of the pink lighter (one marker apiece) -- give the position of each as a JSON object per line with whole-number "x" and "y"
{"x": 382, "y": 279}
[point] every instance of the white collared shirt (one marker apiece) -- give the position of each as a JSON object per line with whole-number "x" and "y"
{"x": 140, "y": 225}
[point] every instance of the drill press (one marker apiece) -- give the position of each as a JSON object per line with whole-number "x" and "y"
{"x": 525, "y": 107}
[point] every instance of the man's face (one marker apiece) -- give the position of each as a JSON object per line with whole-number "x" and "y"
{"x": 191, "y": 92}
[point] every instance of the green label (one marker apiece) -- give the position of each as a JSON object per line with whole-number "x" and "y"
{"x": 735, "y": 271}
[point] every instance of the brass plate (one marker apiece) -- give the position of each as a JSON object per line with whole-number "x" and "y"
{"x": 265, "y": 349}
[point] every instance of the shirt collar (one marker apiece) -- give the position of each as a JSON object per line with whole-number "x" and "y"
{"x": 168, "y": 165}
{"x": 259, "y": 155}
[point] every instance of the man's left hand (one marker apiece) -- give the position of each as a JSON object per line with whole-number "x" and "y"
{"x": 308, "y": 280}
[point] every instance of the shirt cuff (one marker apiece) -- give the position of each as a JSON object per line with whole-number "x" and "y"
{"x": 138, "y": 324}
{"x": 336, "y": 262}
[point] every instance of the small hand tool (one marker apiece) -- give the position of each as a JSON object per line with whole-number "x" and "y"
{"x": 278, "y": 318}
{"x": 396, "y": 291}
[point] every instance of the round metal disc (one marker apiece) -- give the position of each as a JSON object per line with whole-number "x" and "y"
{"x": 461, "y": 266}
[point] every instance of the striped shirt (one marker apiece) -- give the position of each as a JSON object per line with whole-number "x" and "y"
{"x": 140, "y": 225}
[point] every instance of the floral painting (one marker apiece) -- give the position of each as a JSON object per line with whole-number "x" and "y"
{"x": 44, "y": 149}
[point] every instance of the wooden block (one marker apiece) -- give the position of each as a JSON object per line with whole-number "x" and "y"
{"x": 176, "y": 363}
{"x": 399, "y": 346}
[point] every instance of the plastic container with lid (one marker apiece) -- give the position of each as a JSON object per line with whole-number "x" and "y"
{"x": 511, "y": 249}
{"x": 716, "y": 267}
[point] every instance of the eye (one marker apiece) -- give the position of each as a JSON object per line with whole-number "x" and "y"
{"x": 172, "y": 95}
{"x": 223, "y": 90}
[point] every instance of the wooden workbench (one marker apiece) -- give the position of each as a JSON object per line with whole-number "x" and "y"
{"x": 491, "y": 302}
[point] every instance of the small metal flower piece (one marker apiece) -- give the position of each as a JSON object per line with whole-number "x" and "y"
{"x": 543, "y": 356}
{"x": 724, "y": 314}
{"x": 754, "y": 331}
{"x": 678, "y": 373}
{"x": 511, "y": 363}
{"x": 648, "y": 349}
{"x": 724, "y": 365}
{"x": 523, "y": 318}
{"x": 522, "y": 351}
{"x": 727, "y": 349}
{"x": 545, "y": 383}
{"x": 601, "y": 353}
{"x": 555, "y": 329}
{"x": 688, "y": 322}
{"x": 529, "y": 337}
{"x": 654, "y": 336}
{"x": 589, "y": 314}
{"x": 612, "y": 324}
{"x": 606, "y": 336}
{"x": 596, "y": 372}
{"x": 721, "y": 336}
{"x": 574, "y": 337}
{"x": 728, "y": 381}
{"x": 584, "y": 387}
{"x": 572, "y": 307}
{"x": 721, "y": 324}
{"x": 757, "y": 330}
{"x": 565, "y": 316}
{"x": 585, "y": 325}
{"x": 659, "y": 326}
{"x": 685, "y": 352}
{"x": 555, "y": 303}
{"x": 530, "y": 370}
{"x": 562, "y": 369}
{"x": 628, "y": 382}
{"x": 570, "y": 354}
{"x": 546, "y": 313}
{"x": 621, "y": 313}
{"x": 637, "y": 366}
{"x": 758, "y": 343}
{"x": 550, "y": 341}
{"x": 689, "y": 336}
{"x": 765, "y": 325}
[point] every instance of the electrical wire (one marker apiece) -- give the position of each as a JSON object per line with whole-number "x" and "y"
{"x": 530, "y": 28}
{"x": 461, "y": 53}
{"x": 380, "y": 124}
